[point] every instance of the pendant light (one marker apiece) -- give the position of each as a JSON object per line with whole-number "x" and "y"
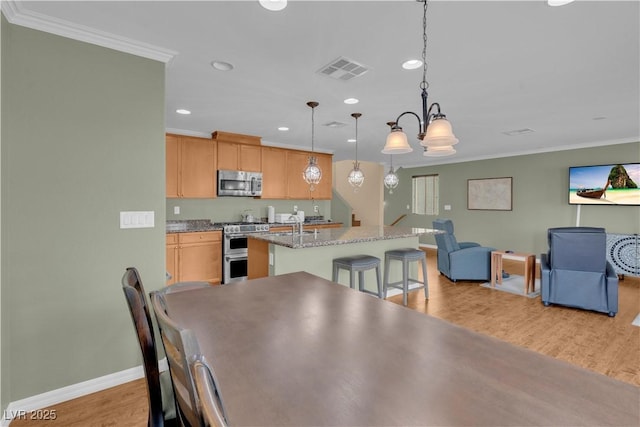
{"x": 391, "y": 180}
{"x": 356, "y": 177}
{"x": 312, "y": 174}
{"x": 436, "y": 135}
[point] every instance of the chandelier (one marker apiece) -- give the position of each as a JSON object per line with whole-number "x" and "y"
{"x": 436, "y": 135}
{"x": 312, "y": 174}
{"x": 356, "y": 177}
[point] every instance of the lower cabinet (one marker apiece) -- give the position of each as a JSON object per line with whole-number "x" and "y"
{"x": 195, "y": 257}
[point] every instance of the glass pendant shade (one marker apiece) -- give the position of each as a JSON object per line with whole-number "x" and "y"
{"x": 439, "y": 134}
{"x": 439, "y": 151}
{"x": 356, "y": 177}
{"x": 397, "y": 143}
{"x": 312, "y": 173}
{"x": 391, "y": 180}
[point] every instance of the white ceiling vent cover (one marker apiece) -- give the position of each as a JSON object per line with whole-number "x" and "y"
{"x": 343, "y": 69}
{"x": 334, "y": 124}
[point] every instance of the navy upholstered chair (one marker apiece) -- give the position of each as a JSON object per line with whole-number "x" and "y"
{"x": 575, "y": 272}
{"x": 461, "y": 260}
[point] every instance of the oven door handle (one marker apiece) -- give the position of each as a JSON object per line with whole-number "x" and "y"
{"x": 235, "y": 258}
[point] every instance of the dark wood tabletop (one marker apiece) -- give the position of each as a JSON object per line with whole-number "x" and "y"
{"x": 298, "y": 350}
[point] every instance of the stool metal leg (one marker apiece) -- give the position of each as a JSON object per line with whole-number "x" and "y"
{"x": 423, "y": 261}
{"x": 379, "y": 280}
{"x": 405, "y": 281}
{"x": 386, "y": 276}
{"x": 334, "y": 276}
{"x": 361, "y": 280}
{"x": 352, "y": 279}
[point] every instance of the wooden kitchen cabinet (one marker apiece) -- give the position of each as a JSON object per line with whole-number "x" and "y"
{"x": 274, "y": 176}
{"x": 324, "y": 189}
{"x": 172, "y": 258}
{"x": 190, "y": 167}
{"x": 238, "y": 152}
{"x": 233, "y": 156}
{"x": 297, "y": 188}
{"x": 195, "y": 257}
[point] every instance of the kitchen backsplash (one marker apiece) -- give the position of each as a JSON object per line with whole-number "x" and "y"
{"x": 223, "y": 209}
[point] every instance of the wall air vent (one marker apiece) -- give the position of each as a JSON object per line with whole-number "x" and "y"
{"x": 343, "y": 69}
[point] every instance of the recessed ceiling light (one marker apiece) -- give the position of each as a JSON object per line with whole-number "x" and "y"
{"x": 222, "y": 66}
{"x": 273, "y": 5}
{"x": 182, "y": 111}
{"x": 283, "y": 128}
{"x": 351, "y": 101}
{"x": 351, "y": 140}
{"x": 599, "y": 118}
{"x": 558, "y": 2}
{"x": 412, "y": 64}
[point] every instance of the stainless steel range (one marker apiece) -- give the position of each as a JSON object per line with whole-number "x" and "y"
{"x": 235, "y": 251}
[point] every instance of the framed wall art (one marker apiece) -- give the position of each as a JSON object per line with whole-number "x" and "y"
{"x": 492, "y": 194}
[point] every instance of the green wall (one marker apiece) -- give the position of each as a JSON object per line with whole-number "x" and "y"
{"x": 540, "y": 199}
{"x": 82, "y": 140}
{"x": 231, "y": 208}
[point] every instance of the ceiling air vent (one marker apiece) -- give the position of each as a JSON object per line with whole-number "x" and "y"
{"x": 334, "y": 124}
{"x": 518, "y": 132}
{"x": 343, "y": 69}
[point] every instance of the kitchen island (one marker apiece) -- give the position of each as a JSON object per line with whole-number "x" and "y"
{"x": 272, "y": 254}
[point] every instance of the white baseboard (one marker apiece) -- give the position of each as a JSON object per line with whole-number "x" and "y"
{"x": 53, "y": 397}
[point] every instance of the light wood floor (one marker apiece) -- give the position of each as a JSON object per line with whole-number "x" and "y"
{"x": 610, "y": 346}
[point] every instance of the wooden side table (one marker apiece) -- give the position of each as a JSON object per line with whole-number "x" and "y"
{"x": 529, "y": 268}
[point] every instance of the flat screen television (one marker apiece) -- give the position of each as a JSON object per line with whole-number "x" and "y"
{"x": 612, "y": 184}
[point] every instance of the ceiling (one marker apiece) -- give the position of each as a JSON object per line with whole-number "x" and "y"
{"x": 570, "y": 74}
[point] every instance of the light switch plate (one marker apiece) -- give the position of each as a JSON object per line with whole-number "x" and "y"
{"x": 137, "y": 219}
{"x": 176, "y": 210}
{"x": 447, "y": 207}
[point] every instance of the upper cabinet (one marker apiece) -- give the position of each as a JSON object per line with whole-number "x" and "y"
{"x": 190, "y": 167}
{"x": 297, "y": 188}
{"x": 238, "y": 152}
{"x": 274, "y": 173}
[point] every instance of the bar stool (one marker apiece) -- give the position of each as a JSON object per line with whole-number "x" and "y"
{"x": 359, "y": 263}
{"x": 405, "y": 256}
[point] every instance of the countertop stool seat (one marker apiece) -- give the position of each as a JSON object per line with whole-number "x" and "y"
{"x": 360, "y": 264}
{"x": 405, "y": 256}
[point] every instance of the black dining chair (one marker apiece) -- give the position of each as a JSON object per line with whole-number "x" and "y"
{"x": 159, "y": 392}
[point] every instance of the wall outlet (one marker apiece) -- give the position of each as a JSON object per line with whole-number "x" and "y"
{"x": 408, "y": 207}
{"x": 447, "y": 207}
{"x": 295, "y": 208}
{"x": 176, "y": 210}
{"x": 315, "y": 208}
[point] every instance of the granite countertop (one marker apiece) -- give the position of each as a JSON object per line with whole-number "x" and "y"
{"x": 341, "y": 236}
{"x": 198, "y": 225}
{"x": 191, "y": 226}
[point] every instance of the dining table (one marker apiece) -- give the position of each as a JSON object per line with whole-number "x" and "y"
{"x": 299, "y": 350}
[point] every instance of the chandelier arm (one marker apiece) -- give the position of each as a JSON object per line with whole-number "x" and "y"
{"x": 420, "y": 122}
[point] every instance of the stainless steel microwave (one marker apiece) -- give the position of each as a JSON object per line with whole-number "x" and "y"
{"x": 239, "y": 183}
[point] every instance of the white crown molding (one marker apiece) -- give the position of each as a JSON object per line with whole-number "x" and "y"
{"x": 17, "y": 14}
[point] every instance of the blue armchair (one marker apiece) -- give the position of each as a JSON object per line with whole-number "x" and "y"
{"x": 575, "y": 272}
{"x": 461, "y": 260}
